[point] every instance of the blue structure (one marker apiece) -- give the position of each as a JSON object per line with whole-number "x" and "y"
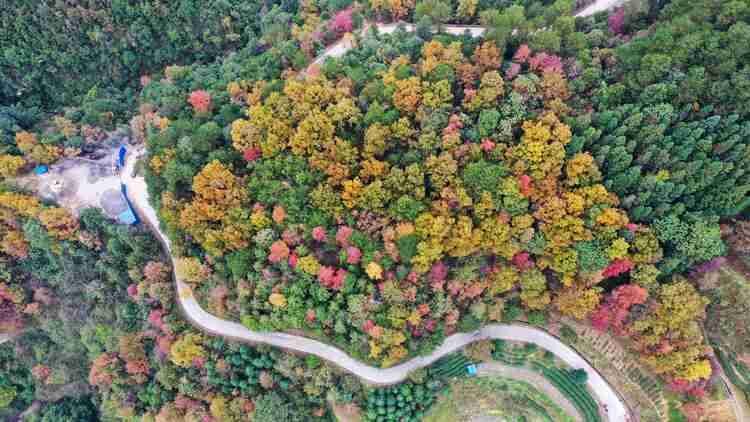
{"x": 128, "y": 216}
{"x": 39, "y": 170}
{"x": 121, "y": 157}
{"x": 471, "y": 370}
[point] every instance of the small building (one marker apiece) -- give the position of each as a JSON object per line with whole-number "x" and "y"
{"x": 118, "y": 159}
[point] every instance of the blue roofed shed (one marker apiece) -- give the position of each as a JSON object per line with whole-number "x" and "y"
{"x": 121, "y": 157}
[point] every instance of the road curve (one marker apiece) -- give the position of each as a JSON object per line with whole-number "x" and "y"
{"x": 346, "y": 43}
{"x": 138, "y": 195}
{"x": 739, "y": 401}
{"x": 599, "y": 6}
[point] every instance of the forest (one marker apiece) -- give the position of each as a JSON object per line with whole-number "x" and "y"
{"x": 558, "y": 168}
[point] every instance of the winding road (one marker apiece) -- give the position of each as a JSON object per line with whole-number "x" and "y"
{"x": 138, "y": 194}
{"x": 346, "y": 43}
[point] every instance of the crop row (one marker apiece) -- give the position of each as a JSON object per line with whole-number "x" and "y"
{"x": 576, "y": 393}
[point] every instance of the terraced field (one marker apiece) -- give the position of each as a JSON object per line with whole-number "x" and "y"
{"x": 493, "y": 398}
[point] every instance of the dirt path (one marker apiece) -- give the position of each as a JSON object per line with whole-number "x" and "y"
{"x": 739, "y": 402}
{"x": 490, "y": 369}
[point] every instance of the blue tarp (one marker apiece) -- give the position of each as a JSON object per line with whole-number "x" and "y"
{"x": 41, "y": 169}
{"x": 129, "y": 216}
{"x": 121, "y": 157}
{"x": 471, "y": 369}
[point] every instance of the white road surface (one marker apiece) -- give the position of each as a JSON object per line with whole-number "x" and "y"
{"x": 599, "y": 6}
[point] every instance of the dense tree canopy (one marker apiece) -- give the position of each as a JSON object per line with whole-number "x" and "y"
{"x": 404, "y": 193}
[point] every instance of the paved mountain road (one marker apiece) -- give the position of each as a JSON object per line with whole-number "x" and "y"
{"x": 346, "y": 43}
{"x": 138, "y": 194}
